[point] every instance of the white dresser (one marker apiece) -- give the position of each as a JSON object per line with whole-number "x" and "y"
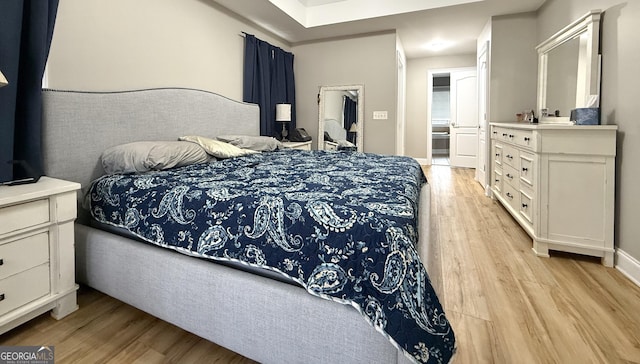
{"x": 558, "y": 182}
{"x": 37, "y": 265}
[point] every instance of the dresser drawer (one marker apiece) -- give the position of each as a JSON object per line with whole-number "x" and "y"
{"x": 22, "y": 254}
{"x": 511, "y": 156}
{"x": 525, "y": 139}
{"x": 511, "y": 195}
{"x": 526, "y": 205}
{"x": 24, "y": 215}
{"x": 527, "y": 168}
{"x": 498, "y": 153}
{"x": 510, "y": 176}
{"x": 501, "y": 133}
{"x": 496, "y": 132}
{"x": 497, "y": 180}
{"x": 15, "y": 292}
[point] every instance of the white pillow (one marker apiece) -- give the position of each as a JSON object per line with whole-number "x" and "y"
{"x": 253, "y": 142}
{"x": 217, "y": 148}
{"x": 151, "y": 155}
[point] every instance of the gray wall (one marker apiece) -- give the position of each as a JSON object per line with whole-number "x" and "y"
{"x": 620, "y": 80}
{"x": 417, "y": 72}
{"x": 367, "y": 60}
{"x": 514, "y": 66}
{"x": 121, "y": 44}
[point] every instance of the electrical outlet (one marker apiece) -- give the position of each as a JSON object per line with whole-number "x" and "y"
{"x": 380, "y": 115}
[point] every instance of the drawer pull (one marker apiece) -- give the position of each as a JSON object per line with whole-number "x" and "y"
{"x": 1, "y": 261}
{"x": 497, "y": 180}
{"x": 495, "y": 132}
{"x": 504, "y": 134}
{"x": 509, "y": 176}
{"x": 1, "y": 296}
{"x": 524, "y": 205}
{"x": 525, "y": 169}
{"x": 511, "y": 135}
{"x": 497, "y": 154}
{"x": 509, "y": 156}
{"x": 527, "y": 139}
{"x": 509, "y": 195}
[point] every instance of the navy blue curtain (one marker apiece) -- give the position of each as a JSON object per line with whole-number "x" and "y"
{"x": 350, "y": 116}
{"x": 26, "y": 28}
{"x": 268, "y": 80}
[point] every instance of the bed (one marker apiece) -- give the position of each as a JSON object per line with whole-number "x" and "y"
{"x": 238, "y": 306}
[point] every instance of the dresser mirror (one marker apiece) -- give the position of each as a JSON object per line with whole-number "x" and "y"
{"x": 569, "y": 69}
{"x": 340, "y": 118}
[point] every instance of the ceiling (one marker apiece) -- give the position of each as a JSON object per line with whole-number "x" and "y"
{"x": 453, "y": 24}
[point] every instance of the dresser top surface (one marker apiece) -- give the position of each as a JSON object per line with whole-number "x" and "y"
{"x": 543, "y": 126}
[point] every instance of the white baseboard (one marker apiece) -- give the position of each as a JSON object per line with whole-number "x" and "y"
{"x": 423, "y": 161}
{"x": 628, "y": 265}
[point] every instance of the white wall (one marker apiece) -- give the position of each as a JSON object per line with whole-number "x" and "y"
{"x": 620, "y": 80}
{"x": 367, "y": 60}
{"x": 416, "y": 114}
{"x": 123, "y": 44}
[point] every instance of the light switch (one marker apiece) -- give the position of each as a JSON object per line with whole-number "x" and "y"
{"x": 380, "y": 115}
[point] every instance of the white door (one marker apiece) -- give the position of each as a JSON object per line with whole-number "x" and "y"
{"x": 464, "y": 119}
{"x": 481, "y": 169}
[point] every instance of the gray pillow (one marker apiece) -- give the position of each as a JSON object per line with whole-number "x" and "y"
{"x": 259, "y": 143}
{"x": 151, "y": 155}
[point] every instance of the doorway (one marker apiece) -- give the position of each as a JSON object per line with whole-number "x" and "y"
{"x": 452, "y": 108}
{"x": 440, "y": 119}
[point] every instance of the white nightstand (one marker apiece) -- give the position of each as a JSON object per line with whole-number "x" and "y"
{"x": 297, "y": 145}
{"x": 330, "y": 145}
{"x": 37, "y": 260}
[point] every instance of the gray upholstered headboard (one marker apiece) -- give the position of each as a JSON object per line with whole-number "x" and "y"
{"x": 78, "y": 126}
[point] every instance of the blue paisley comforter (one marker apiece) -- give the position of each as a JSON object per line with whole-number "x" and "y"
{"x": 343, "y": 225}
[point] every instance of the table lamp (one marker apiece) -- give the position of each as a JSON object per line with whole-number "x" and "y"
{"x": 283, "y": 115}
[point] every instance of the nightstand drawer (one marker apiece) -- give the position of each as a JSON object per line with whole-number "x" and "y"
{"x": 297, "y": 145}
{"x": 15, "y": 293}
{"x": 24, "y": 215}
{"x": 330, "y": 146}
{"x": 20, "y": 255}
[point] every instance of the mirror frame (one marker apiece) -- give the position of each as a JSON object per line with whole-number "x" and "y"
{"x": 588, "y": 24}
{"x": 359, "y": 122}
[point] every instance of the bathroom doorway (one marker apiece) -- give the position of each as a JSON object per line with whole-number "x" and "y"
{"x": 440, "y": 119}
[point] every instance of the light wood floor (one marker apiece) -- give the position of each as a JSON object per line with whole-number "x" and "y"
{"x": 505, "y": 304}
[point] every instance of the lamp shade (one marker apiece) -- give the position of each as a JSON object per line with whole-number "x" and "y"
{"x": 353, "y": 128}
{"x": 3, "y": 80}
{"x": 283, "y": 112}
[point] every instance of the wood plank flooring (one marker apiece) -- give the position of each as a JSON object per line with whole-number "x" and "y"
{"x": 505, "y": 304}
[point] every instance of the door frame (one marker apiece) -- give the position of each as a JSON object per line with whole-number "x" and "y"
{"x": 430, "y": 74}
{"x": 483, "y": 176}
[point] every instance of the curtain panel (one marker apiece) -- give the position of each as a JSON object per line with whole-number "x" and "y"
{"x": 350, "y": 116}
{"x": 26, "y": 29}
{"x": 268, "y": 80}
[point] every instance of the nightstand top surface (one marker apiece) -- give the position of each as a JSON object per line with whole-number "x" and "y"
{"x": 46, "y": 186}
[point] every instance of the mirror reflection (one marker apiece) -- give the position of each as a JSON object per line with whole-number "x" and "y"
{"x": 562, "y": 77}
{"x": 340, "y": 118}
